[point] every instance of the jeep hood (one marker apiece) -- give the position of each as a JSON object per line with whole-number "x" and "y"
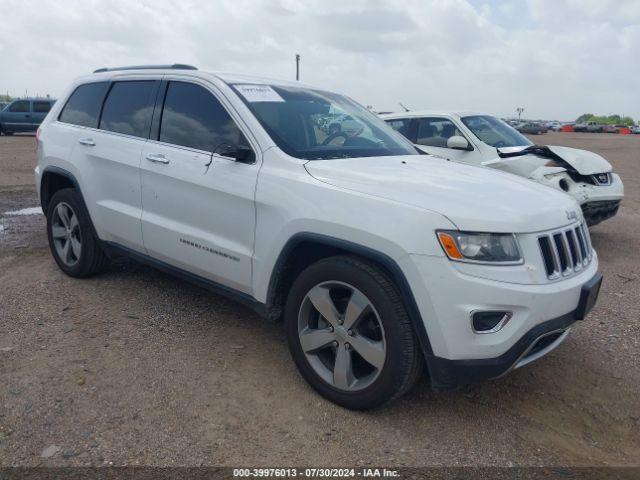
{"x": 527, "y": 159}
{"x": 473, "y": 198}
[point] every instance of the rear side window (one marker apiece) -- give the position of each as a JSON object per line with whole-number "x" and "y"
{"x": 128, "y": 108}
{"x": 193, "y": 117}
{"x": 83, "y": 107}
{"x": 41, "y": 107}
{"x": 21, "y": 106}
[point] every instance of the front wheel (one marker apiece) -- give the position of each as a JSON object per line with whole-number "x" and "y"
{"x": 350, "y": 335}
{"x": 73, "y": 243}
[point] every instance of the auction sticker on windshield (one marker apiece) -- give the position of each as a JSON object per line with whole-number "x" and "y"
{"x": 259, "y": 93}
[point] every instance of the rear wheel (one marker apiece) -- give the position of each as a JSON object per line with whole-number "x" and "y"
{"x": 350, "y": 335}
{"x": 73, "y": 243}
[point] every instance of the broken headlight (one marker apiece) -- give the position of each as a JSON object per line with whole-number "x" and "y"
{"x": 492, "y": 248}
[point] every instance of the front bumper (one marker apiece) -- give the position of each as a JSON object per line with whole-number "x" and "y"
{"x": 596, "y": 212}
{"x": 447, "y": 293}
{"x": 543, "y": 338}
{"x": 598, "y": 202}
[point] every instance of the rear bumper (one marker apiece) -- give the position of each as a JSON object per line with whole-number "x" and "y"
{"x": 449, "y": 374}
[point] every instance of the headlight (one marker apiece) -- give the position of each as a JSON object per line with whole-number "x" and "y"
{"x": 496, "y": 248}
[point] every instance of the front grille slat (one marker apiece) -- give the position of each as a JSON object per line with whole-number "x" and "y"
{"x": 585, "y": 233}
{"x": 556, "y": 254}
{"x": 583, "y": 245}
{"x": 576, "y": 248}
{"x": 547, "y": 255}
{"x": 561, "y": 252}
{"x": 566, "y": 251}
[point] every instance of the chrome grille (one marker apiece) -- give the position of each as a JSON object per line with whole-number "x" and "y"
{"x": 602, "y": 178}
{"x": 566, "y": 252}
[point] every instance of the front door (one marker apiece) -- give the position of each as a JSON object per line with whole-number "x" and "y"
{"x": 432, "y": 135}
{"x": 198, "y": 207}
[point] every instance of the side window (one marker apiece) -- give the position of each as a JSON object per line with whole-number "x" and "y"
{"x": 400, "y": 125}
{"x": 83, "y": 106}
{"x": 193, "y": 117}
{"x": 434, "y": 132}
{"x": 41, "y": 107}
{"x": 21, "y": 106}
{"x": 128, "y": 108}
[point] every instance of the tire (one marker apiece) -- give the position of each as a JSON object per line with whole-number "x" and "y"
{"x": 345, "y": 281}
{"x": 82, "y": 256}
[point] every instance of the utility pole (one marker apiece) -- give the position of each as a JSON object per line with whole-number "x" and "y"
{"x": 297, "y": 66}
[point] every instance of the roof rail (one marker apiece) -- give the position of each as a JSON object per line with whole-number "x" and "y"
{"x": 175, "y": 66}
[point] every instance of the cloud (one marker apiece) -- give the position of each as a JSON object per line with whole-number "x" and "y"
{"x": 557, "y": 59}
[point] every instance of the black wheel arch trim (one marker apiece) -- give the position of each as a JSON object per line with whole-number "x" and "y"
{"x": 63, "y": 173}
{"x": 74, "y": 181}
{"x": 383, "y": 259}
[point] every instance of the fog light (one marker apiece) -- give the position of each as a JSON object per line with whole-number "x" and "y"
{"x": 563, "y": 185}
{"x": 489, "y": 322}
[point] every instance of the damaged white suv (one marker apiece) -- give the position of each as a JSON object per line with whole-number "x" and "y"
{"x": 485, "y": 140}
{"x": 378, "y": 259}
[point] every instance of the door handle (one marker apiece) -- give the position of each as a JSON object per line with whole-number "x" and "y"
{"x": 157, "y": 158}
{"x": 87, "y": 141}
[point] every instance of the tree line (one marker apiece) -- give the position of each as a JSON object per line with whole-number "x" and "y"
{"x": 606, "y": 120}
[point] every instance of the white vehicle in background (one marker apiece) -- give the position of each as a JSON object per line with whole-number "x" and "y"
{"x": 479, "y": 139}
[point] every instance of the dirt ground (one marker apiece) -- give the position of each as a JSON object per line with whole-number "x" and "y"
{"x": 134, "y": 367}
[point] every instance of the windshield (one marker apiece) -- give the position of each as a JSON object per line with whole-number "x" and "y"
{"x": 317, "y": 125}
{"x": 495, "y": 132}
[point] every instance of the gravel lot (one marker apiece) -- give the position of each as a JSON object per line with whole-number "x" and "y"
{"x": 134, "y": 367}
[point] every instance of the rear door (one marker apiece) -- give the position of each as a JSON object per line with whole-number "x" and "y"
{"x": 108, "y": 150}
{"x": 40, "y": 108}
{"x": 198, "y": 206}
{"x": 17, "y": 117}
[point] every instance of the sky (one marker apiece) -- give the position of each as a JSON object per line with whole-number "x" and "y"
{"x": 557, "y": 59}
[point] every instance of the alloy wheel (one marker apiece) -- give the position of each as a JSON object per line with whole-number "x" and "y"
{"x": 65, "y": 231}
{"x": 342, "y": 336}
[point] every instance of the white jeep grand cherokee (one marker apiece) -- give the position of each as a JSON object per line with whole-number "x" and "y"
{"x": 379, "y": 259}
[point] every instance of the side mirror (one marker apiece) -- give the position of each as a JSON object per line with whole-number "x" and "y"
{"x": 458, "y": 143}
{"x": 240, "y": 153}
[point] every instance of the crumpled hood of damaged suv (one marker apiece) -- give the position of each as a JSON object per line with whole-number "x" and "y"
{"x": 514, "y": 160}
{"x": 473, "y": 198}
